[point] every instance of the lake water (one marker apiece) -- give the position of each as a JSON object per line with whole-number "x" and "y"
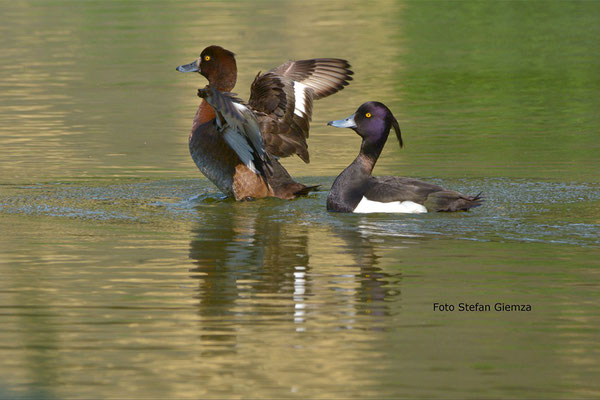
{"x": 126, "y": 275}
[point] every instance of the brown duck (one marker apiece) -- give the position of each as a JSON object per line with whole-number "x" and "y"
{"x": 235, "y": 144}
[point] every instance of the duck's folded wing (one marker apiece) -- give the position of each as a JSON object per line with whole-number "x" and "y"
{"x": 284, "y": 109}
{"x": 394, "y": 188}
{"x": 240, "y": 129}
{"x": 434, "y": 197}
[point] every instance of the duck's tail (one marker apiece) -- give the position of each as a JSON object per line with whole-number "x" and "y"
{"x": 291, "y": 190}
{"x": 284, "y": 186}
{"x": 473, "y": 201}
{"x": 449, "y": 200}
{"x": 306, "y": 190}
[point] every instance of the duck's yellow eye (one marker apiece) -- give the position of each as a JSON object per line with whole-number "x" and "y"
{"x": 206, "y": 58}
{"x": 368, "y": 115}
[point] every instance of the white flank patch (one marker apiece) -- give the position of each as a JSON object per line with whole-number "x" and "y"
{"x": 299, "y": 99}
{"x": 407, "y": 207}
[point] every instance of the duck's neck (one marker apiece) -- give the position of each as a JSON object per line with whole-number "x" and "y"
{"x": 225, "y": 84}
{"x": 348, "y": 188}
{"x": 226, "y": 77}
{"x": 369, "y": 153}
{"x": 363, "y": 164}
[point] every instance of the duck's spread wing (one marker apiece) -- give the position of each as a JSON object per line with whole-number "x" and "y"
{"x": 284, "y": 96}
{"x": 284, "y": 109}
{"x": 324, "y": 76}
{"x": 269, "y": 93}
{"x": 240, "y": 129}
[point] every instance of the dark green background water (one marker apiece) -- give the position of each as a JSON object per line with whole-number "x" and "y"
{"x": 124, "y": 274}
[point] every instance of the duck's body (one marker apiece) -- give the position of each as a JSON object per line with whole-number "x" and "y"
{"x": 356, "y": 190}
{"x": 236, "y": 145}
{"x": 223, "y": 167}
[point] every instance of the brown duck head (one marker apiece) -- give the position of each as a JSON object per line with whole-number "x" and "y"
{"x": 217, "y": 65}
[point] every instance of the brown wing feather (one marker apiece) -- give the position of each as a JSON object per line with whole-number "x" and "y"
{"x": 283, "y": 139}
{"x": 284, "y": 108}
{"x": 273, "y": 100}
{"x": 268, "y": 95}
{"x": 324, "y": 75}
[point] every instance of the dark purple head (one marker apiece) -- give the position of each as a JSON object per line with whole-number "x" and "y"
{"x": 372, "y": 121}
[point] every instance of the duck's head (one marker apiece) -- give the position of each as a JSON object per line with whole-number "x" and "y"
{"x": 217, "y": 65}
{"x": 372, "y": 121}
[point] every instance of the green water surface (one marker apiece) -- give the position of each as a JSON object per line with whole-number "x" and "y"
{"x": 125, "y": 274}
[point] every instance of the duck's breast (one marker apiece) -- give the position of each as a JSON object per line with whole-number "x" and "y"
{"x": 213, "y": 156}
{"x": 222, "y": 166}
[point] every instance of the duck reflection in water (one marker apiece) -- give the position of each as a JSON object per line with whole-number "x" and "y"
{"x": 377, "y": 287}
{"x": 256, "y": 264}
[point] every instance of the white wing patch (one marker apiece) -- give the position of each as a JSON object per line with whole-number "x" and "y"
{"x": 239, "y": 144}
{"x": 300, "y": 99}
{"x": 407, "y": 207}
{"x": 234, "y": 122}
{"x": 232, "y": 133}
